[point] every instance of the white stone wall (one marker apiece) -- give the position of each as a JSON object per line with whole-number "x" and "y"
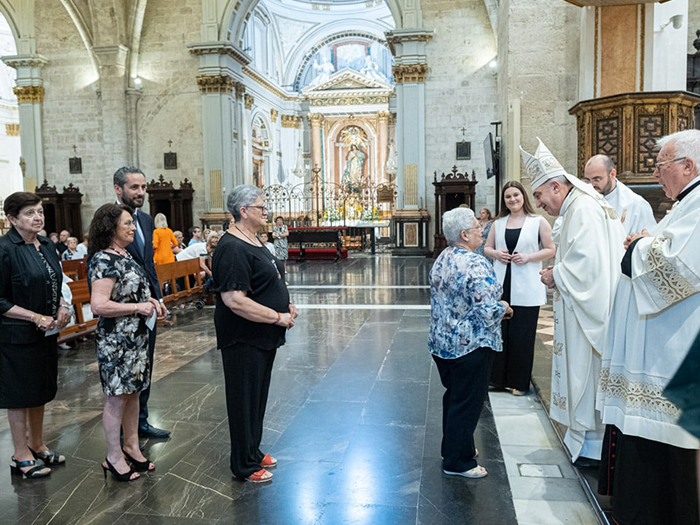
{"x": 539, "y": 61}
{"x": 170, "y": 104}
{"x": 460, "y": 91}
{"x": 71, "y": 111}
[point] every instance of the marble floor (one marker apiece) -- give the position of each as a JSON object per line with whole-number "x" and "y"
{"x": 353, "y": 418}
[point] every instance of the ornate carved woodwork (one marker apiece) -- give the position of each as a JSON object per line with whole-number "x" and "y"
{"x": 174, "y": 203}
{"x": 61, "y": 210}
{"x": 452, "y": 190}
{"x": 627, "y": 126}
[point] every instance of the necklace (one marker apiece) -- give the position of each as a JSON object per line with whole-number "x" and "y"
{"x": 119, "y": 251}
{"x": 244, "y": 235}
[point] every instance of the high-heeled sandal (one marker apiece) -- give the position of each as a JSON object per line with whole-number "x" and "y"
{"x": 139, "y": 466}
{"x": 115, "y": 473}
{"x": 49, "y": 457}
{"x": 33, "y": 473}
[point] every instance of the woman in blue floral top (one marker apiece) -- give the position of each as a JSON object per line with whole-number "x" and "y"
{"x": 121, "y": 297}
{"x": 465, "y": 331}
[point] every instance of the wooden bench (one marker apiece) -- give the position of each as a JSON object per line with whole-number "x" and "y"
{"x": 181, "y": 270}
{"x": 81, "y": 296}
{"x": 76, "y": 269}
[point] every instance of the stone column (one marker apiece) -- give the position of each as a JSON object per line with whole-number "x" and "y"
{"x": 316, "y": 120}
{"x": 220, "y": 73}
{"x": 112, "y": 93}
{"x": 132, "y": 97}
{"x": 408, "y": 48}
{"x": 30, "y": 97}
{"x": 382, "y": 143}
{"x": 217, "y": 111}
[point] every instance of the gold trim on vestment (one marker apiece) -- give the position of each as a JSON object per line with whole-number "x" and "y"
{"x": 672, "y": 286}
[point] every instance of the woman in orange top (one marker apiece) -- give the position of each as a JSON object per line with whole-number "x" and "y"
{"x": 163, "y": 241}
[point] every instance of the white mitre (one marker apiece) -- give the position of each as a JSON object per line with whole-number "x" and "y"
{"x": 543, "y": 166}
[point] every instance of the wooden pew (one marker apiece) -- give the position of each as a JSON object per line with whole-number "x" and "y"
{"x": 171, "y": 272}
{"x": 76, "y": 269}
{"x": 324, "y": 241}
{"x": 81, "y": 296}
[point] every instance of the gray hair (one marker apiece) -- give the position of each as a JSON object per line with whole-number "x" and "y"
{"x": 241, "y": 197}
{"x": 687, "y": 144}
{"x": 454, "y": 222}
{"x": 120, "y": 176}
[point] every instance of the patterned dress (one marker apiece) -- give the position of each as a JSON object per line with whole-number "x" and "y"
{"x": 122, "y": 342}
{"x": 281, "y": 246}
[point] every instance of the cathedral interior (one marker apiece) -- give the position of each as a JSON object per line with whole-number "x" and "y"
{"x": 371, "y": 115}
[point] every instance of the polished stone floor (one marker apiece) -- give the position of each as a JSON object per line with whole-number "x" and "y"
{"x": 353, "y": 418}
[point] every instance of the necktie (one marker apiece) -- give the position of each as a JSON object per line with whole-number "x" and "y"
{"x": 138, "y": 235}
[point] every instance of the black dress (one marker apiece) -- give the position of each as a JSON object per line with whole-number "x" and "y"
{"x": 512, "y": 368}
{"x": 32, "y": 279}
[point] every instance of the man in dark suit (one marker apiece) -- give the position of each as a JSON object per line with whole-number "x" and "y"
{"x": 130, "y": 187}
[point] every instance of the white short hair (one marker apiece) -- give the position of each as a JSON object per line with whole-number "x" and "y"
{"x": 454, "y": 222}
{"x": 687, "y": 144}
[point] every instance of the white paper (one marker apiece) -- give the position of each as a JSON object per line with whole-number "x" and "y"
{"x": 151, "y": 321}
{"x": 51, "y": 332}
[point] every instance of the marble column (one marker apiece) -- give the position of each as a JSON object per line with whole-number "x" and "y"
{"x": 132, "y": 97}
{"x": 239, "y": 161}
{"x": 316, "y": 120}
{"x": 30, "y": 97}
{"x": 408, "y": 48}
{"x": 382, "y": 144}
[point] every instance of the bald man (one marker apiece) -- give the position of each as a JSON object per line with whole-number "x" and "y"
{"x": 634, "y": 212}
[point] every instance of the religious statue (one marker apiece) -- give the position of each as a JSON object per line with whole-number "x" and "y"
{"x": 353, "y": 167}
{"x": 371, "y": 70}
{"x": 322, "y": 72}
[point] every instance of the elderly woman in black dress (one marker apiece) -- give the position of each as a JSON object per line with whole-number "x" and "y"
{"x": 252, "y": 315}
{"x": 31, "y": 313}
{"x": 121, "y": 297}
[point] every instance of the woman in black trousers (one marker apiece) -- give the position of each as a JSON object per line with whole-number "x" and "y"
{"x": 252, "y": 315}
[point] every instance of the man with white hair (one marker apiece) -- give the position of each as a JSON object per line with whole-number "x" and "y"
{"x": 586, "y": 269}
{"x": 633, "y": 210}
{"x": 654, "y": 321}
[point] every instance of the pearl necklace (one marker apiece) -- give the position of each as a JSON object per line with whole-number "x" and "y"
{"x": 119, "y": 251}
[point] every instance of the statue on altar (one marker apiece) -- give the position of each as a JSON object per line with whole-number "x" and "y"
{"x": 353, "y": 167}
{"x": 371, "y": 70}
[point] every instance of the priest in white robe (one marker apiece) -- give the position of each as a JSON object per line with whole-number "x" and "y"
{"x": 655, "y": 319}
{"x": 590, "y": 244}
{"x": 633, "y": 210}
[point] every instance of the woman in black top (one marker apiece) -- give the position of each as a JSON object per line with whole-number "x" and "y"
{"x": 252, "y": 315}
{"x": 31, "y": 314}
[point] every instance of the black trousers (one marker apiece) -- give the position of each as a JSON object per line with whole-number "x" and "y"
{"x": 512, "y": 368}
{"x": 466, "y": 381}
{"x": 651, "y": 483}
{"x": 145, "y": 394}
{"x": 247, "y": 372}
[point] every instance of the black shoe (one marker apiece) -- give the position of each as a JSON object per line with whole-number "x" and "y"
{"x": 149, "y": 431}
{"x": 582, "y": 462}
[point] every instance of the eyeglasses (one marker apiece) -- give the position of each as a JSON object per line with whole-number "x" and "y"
{"x": 659, "y": 165}
{"x": 263, "y": 209}
{"x": 129, "y": 224}
{"x": 31, "y": 213}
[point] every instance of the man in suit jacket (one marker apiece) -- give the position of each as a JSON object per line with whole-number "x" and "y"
{"x": 130, "y": 187}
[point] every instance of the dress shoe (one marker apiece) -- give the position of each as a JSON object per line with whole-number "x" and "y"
{"x": 582, "y": 462}
{"x": 149, "y": 431}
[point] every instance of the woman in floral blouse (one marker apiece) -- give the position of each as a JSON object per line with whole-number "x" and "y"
{"x": 465, "y": 331}
{"x": 121, "y": 297}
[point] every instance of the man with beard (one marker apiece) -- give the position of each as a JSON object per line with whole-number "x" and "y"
{"x": 130, "y": 187}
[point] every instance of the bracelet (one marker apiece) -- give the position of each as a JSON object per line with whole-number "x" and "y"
{"x": 279, "y": 317}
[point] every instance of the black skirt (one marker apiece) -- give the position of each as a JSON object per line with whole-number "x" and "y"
{"x": 28, "y": 373}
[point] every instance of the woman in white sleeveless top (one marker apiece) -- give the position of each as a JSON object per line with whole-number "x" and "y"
{"x": 518, "y": 242}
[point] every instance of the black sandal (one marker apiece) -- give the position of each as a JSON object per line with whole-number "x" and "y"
{"x": 139, "y": 466}
{"x": 49, "y": 457}
{"x": 117, "y": 475}
{"x": 33, "y": 473}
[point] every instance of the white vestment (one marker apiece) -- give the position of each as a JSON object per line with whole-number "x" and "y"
{"x": 655, "y": 319}
{"x": 590, "y": 245}
{"x": 632, "y": 209}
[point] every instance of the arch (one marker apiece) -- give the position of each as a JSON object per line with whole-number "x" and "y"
{"x": 299, "y": 60}
{"x": 236, "y": 14}
{"x": 83, "y": 31}
{"x": 10, "y": 15}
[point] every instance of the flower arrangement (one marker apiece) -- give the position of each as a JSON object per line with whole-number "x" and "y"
{"x": 332, "y": 215}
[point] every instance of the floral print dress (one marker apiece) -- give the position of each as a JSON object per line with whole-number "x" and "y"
{"x": 122, "y": 342}
{"x": 281, "y": 245}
